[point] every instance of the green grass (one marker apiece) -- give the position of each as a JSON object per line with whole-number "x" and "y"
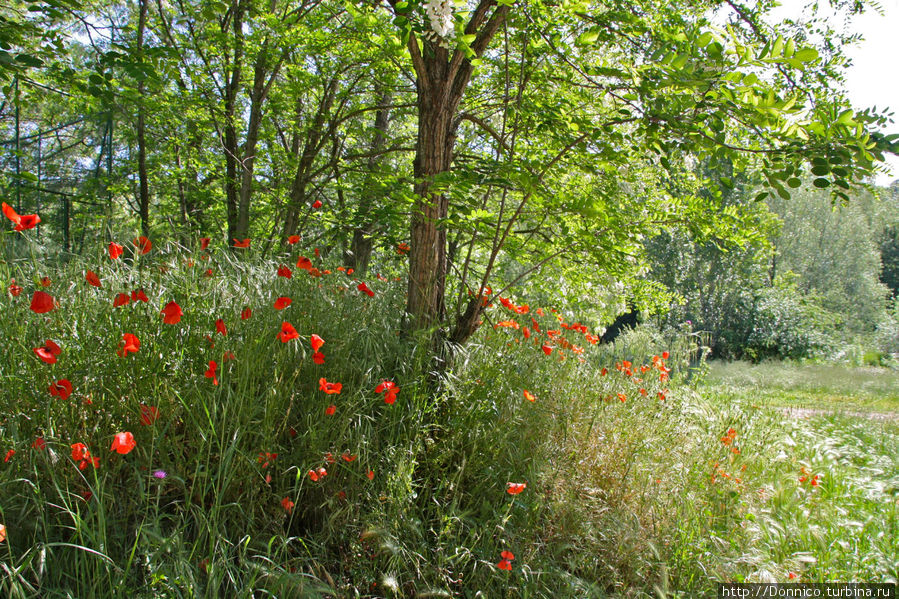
{"x": 816, "y": 386}
{"x": 620, "y": 497}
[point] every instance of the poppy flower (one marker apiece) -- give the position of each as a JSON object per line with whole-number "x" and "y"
{"x": 14, "y": 290}
{"x": 285, "y": 272}
{"x": 123, "y": 443}
{"x": 402, "y": 248}
{"x": 172, "y": 313}
{"x": 92, "y": 278}
{"x": 622, "y": 397}
{"x": 665, "y": 355}
{"x": 316, "y": 204}
{"x": 210, "y": 372}
{"x": 318, "y": 357}
{"x": 228, "y": 355}
{"x": 330, "y": 410}
{"x": 347, "y": 457}
{"x": 39, "y": 444}
{"x": 242, "y": 244}
{"x": 329, "y": 388}
{"x": 120, "y": 300}
{"x": 61, "y": 389}
{"x": 364, "y": 289}
{"x": 315, "y": 475}
{"x": 304, "y": 263}
{"x": 316, "y": 342}
{"x": 80, "y": 452}
{"x": 23, "y": 221}
{"x": 282, "y": 302}
{"x": 41, "y": 302}
{"x": 204, "y": 243}
{"x": 129, "y": 343}
{"x": 143, "y": 245}
{"x": 115, "y": 250}
{"x": 287, "y": 332}
{"x": 220, "y": 327}
{"x": 507, "y": 555}
{"x": 546, "y": 349}
{"x": 529, "y": 396}
{"x": 46, "y": 282}
{"x": 292, "y": 239}
{"x": 504, "y": 564}
{"x": 389, "y": 389}
{"x": 246, "y": 314}
{"x": 148, "y": 414}
{"x": 139, "y": 295}
{"x": 9, "y": 455}
{"x": 287, "y": 504}
{"x": 515, "y": 488}
{"x": 49, "y": 352}
{"x": 370, "y": 474}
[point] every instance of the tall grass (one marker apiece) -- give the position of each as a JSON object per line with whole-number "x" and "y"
{"x": 619, "y": 497}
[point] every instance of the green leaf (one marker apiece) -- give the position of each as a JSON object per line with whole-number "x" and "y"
{"x": 821, "y": 183}
{"x": 806, "y": 55}
{"x": 588, "y": 38}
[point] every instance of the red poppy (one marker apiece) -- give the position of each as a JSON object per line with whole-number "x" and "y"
{"x": 80, "y": 451}
{"x": 304, "y": 263}
{"x": 604, "y": 372}
{"x": 148, "y": 414}
{"x": 14, "y": 290}
{"x": 143, "y": 245}
{"x": 329, "y": 388}
{"x": 287, "y": 504}
{"x": 49, "y": 352}
{"x": 347, "y": 457}
{"x": 622, "y": 397}
{"x": 120, "y": 300}
{"x": 330, "y": 410}
{"x": 123, "y": 443}
{"x": 227, "y": 356}
{"x": 370, "y": 474}
{"x": 504, "y": 564}
{"x": 210, "y": 372}
{"x": 546, "y": 349}
{"x": 507, "y": 555}
{"x": 242, "y": 244}
{"x": 389, "y": 389}
{"x": 364, "y": 289}
{"x": 282, "y": 302}
{"x": 24, "y": 221}
{"x": 172, "y": 313}
{"x": 529, "y": 396}
{"x": 129, "y": 343}
{"x": 318, "y": 357}
{"x": 665, "y": 355}
{"x": 39, "y": 443}
{"x": 287, "y": 332}
{"x": 515, "y": 488}
{"x": 384, "y": 386}
{"x": 41, "y": 302}
{"x": 661, "y": 395}
{"x": 317, "y": 204}
{"x": 293, "y": 239}
{"x": 46, "y": 282}
{"x": 317, "y": 474}
{"x": 220, "y": 327}
{"x": 61, "y": 389}
{"x": 316, "y": 342}
{"x": 285, "y": 272}
{"x": 9, "y": 455}
{"x": 402, "y": 248}
{"x": 139, "y": 295}
{"x": 246, "y": 314}
{"x": 92, "y": 278}
{"x": 204, "y": 243}
{"x": 115, "y": 250}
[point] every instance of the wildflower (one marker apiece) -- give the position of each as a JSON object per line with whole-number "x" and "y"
{"x": 204, "y": 243}
{"x": 115, "y": 250}
{"x": 46, "y": 282}
{"x": 329, "y": 388}
{"x": 316, "y": 204}
{"x": 121, "y": 299}
{"x": 402, "y": 248}
{"x": 318, "y": 357}
{"x": 123, "y": 443}
{"x": 148, "y": 414}
{"x": 220, "y": 327}
{"x": 285, "y": 272}
{"x": 39, "y": 444}
{"x": 282, "y": 302}
{"x": 515, "y": 488}
{"x": 143, "y": 245}
{"x": 129, "y": 343}
{"x": 665, "y": 355}
{"x": 529, "y": 396}
{"x": 9, "y": 455}
{"x": 304, "y": 263}
{"x": 41, "y": 302}
{"x": 92, "y": 278}
{"x": 160, "y": 474}
{"x": 330, "y": 410}
{"x": 287, "y": 504}
{"x": 48, "y": 352}
{"x": 287, "y": 332}
{"x": 23, "y": 221}
{"x": 242, "y": 244}
{"x": 291, "y": 240}
{"x": 370, "y": 474}
{"x": 172, "y": 313}
{"x": 210, "y": 372}
{"x": 138, "y": 295}
{"x": 347, "y": 457}
{"x": 364, "y": 289}
{"x": 315, "y": 475}
{"x": 390, "y": 391}
{"x": 316, "y": 342}
{"x": 61, "y": 388}
{"x": 246, "y": 314}
{"x": 14, "y": 290}
{"x": 228, "y": 355}
{"x": 546, "y": 349}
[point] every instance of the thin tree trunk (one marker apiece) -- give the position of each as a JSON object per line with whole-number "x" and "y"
{"x": 143, "y": 183}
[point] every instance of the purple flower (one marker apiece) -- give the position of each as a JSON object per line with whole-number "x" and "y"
{"x": 159, "y": 474}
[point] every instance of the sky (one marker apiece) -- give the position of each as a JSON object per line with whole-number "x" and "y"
{"x": 873, "y": 78}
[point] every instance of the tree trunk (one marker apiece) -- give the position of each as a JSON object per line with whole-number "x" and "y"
{"x": 143, "y": 184}
{"x": 257, "y": 98}
{"x": 231, "y": 146}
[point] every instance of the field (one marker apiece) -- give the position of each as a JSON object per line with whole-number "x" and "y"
{"x": 221, "y": 452}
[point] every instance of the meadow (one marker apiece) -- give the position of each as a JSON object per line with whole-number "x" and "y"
{"x": 203, "y": 422}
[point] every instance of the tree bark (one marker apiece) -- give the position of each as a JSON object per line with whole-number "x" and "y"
{"x": 143, "y": 183}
